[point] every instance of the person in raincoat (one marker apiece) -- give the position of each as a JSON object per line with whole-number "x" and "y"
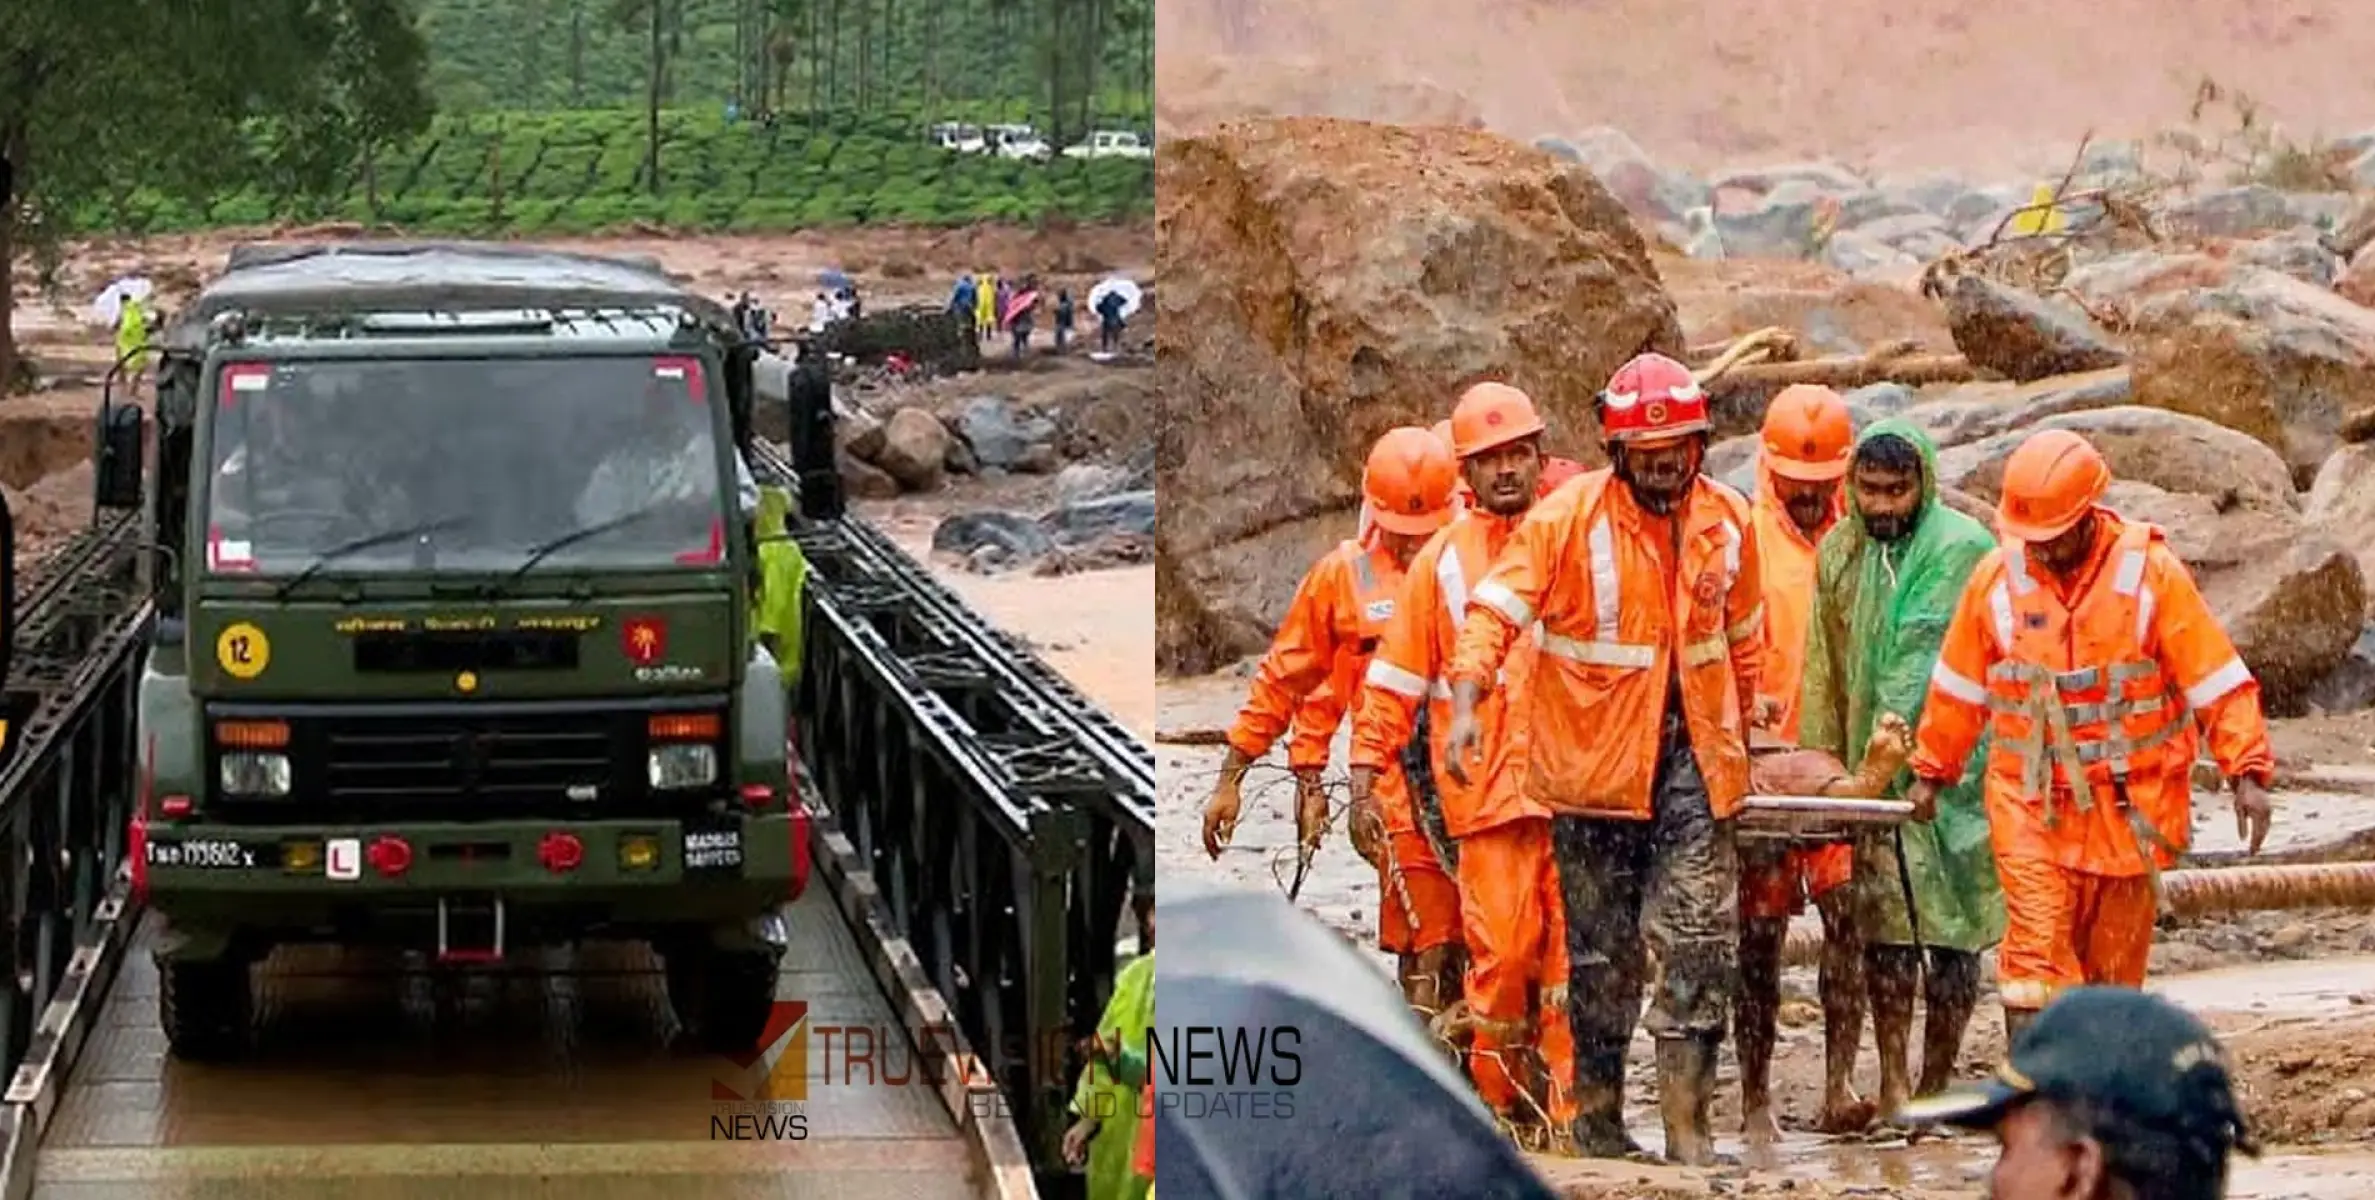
{"x": 1886, "y": 584}
{"x": 1106, "y": 1128}
{"x": 783, "y": 579}
{"x": 131, "y": 341}
{"x": 985, "y": 305}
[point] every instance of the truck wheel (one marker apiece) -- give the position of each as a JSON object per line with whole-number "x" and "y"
{"x": 722, "y": 996}
{"x": 205, "y": 1008}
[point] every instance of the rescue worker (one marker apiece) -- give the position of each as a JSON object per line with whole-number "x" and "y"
{"x": 2080, "y": 645}
{"x": 1516, "y": 982}
{"x": 1804, "y": 450}
{"x": 1331, "y": 628}
{"x": 1925, "y": 896}
{"x": 2112, "y": 1095}
{"x": 783, "y": 579}
{"x": 1651, "y": 646}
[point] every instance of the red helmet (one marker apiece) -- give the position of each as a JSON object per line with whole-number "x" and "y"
{"x": 1651, "y": 398}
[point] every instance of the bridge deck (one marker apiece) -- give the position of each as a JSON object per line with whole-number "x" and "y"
{"x": 556, "y": 1077}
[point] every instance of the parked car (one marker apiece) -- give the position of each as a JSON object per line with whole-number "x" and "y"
{"x": 1019, "y": 141}
{"x": 958, "y": 138}
{"x": 1110, "y": 143}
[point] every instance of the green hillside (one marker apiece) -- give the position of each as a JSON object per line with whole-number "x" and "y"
{"x": 580, "y": 172}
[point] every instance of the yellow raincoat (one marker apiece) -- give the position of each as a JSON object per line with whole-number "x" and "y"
{"x": 783, "y": 578}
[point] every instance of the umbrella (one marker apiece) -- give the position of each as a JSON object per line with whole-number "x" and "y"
{"x": 1018, "y": 304}
{"x": 109, "y": 307}
{"x": 1131, "y": 296}
{"x": 832, "y": 279}
{"x": 1377, "y": 1110}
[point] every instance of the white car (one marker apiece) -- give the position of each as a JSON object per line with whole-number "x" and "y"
{"x": 1110, "y": 143}
{"x": 1019, "y": 141}
{"x": 958, "y": 139}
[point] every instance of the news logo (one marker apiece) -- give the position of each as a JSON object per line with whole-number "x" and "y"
{"x": 1228, "y": 1072}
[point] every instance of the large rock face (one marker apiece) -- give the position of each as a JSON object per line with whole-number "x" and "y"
{"x": 1324, "y": 281}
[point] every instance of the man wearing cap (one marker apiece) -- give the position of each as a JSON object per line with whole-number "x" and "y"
{"x": 2083, "y": 647}
{"x": 2111, "y": 1094}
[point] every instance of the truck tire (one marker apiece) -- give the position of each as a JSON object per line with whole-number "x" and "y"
{"x": 723, "y": 997}
{"x": 205, "y": 1008}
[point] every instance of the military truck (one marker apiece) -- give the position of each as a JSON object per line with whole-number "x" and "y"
{"x": 452, "y": 571}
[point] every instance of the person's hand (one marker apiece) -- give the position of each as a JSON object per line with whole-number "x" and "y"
{"x": 1924, "y": 795}
{"x": 1311, "y": 810}
{"x": 1766, "y": 714}
{"x": 1221, "y": 812}
{"x": 2253, "y": 812}
{"x": 1460, "y": 741}
{"x": 1367, "y": 827}
{"x": 1077, "y": 1138}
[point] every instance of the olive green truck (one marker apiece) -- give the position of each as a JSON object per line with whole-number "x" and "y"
{"x": 452, "y": 565}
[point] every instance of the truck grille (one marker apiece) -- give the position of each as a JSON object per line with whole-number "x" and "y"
{"x": 462, "y": 766}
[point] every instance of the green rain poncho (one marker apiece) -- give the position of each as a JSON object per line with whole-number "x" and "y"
{"x": 1112, "y": 1174}
{"x": 783, "y": 577}
{"x": 1880, "y": 616}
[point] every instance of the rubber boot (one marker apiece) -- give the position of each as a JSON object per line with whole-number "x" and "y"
{"x": 1686, "y": 1082}
{"x": 1599, "y": 1127}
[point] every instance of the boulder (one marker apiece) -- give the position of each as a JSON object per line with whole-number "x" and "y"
{"x": 2357, "y": 281}
{"x": 862, "y": 480}
{"x": 1328, "y": 280}
{"x": 1000, "y": 436}
{"x": 914, "y": 449}
{"x": 2292, "y": 599}
{"x": 2277, "y": 358}
{"x": 2022, "y": 336}
{"x": 2167, "y": 450}
{"x": 2341, "y": 503}
{"x": 2300, "y": 253}
{"x": 1979, "y": 410}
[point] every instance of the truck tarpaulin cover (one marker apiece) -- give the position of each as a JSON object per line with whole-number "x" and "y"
{"x": 1376, "y": 1109}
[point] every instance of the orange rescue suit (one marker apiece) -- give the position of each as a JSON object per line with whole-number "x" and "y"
{"x": 1514, "y": 920}
{"x": 1787, "y": 558}
{"x": 1332, "y": 627}
{"x": 2086, "y": 685}
{"x": 1626, "y": 604}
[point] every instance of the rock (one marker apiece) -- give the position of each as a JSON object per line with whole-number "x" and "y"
{"x": 2118, "y": 284}
{"x": 1325, "y": 280}
{"x": 2341, "y": 503}
{"x": 860, "y": 433}
{"x": 1779, "y": 224}
{"x": 959, "y": 460}
{"x": 1881, "y": 399}
{"x": 2267, "y": 354}
{"x": 2173, "y": 451}
{"x": 1936, "y": 194}
{"x": 1083, "y": 482}
{"x": 999, "y": 436}
{"x": 2357, "y": 281}
{"x": 2351, "y": 684}
{"x": 1866, "y": 257}
{"x": 1821, "y": 176}
{"x": 915, "y": 449}
{"x": 2292, "y": 600}
{"x": 1016, "y": 537}
{"x": 2022, "y": 336}
{"x": 2300, "y": 253}
{"x": 1129, "y": 512}
{"x": 1654, "y": 195}
{"x": 1039, "y": 459}
{"x": 2232, "y": 212}
{"x": 1978, "y": 410}
{"x": 861, "y": 480}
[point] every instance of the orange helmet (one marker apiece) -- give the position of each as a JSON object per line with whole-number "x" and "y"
{"x": 1442, "y": 432}
{"x": 1808, "y": 435}
{"x": 1408, "y": 482}
{"x": 1652, "y": 398}
{"x": 2051, "y": 481}
{"x": 1491, "y": 415}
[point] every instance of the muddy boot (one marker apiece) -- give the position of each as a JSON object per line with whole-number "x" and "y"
{"x": 1686, "y": 1082}
{"x": 1599, "y": 1127}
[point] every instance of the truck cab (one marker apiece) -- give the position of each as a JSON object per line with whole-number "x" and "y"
{"x": 453, "y": 568}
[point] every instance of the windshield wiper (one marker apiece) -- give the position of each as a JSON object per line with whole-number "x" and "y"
{"x": 546, "y": 549}
{"x": 358, "y": 545}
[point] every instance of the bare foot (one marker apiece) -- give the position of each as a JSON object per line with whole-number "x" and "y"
{"x": 1892, "y": 1101}
{"x": 1758, "y": 1127}
{"x": 1847, "y": 1113}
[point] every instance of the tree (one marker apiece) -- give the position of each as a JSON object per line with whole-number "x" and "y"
{"x": 98, "y": 97}
{"x": 664, "y": 19}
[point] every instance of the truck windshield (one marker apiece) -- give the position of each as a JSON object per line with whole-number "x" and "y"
{"x": 463, "y": 465}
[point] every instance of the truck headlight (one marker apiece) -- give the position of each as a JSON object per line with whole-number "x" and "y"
{"x": 685, "y": 765}
{"x": 253, "y": 773}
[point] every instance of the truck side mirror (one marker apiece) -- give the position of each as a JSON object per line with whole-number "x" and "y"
{"x": 120, "y": 454}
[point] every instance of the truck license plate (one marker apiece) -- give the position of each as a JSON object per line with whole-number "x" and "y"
{"x": 713, "y": 849}
{"x": 212, "y": 854}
